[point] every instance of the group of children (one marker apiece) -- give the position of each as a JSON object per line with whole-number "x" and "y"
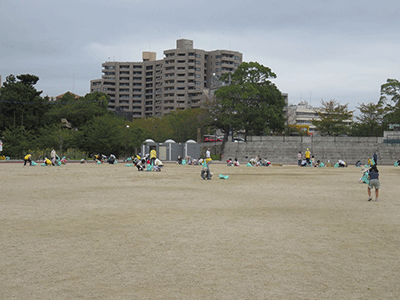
{"x": 53, "y": 161}
{"x": 309, "y": 161}
{"x": 231, "y": 162}
{"x": 259, "y": 162}
{"x": 148, "y": 163}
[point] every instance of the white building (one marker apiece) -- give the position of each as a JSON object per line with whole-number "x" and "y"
{"x": 301, "y": 116}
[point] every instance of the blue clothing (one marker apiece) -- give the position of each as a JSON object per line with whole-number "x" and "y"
{"x": 375, "y": 157}
{"x": 373, "y": 175}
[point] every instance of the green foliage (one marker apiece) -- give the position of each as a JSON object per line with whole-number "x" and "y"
{"x": 391, "y": 89}
{"x": 75, "y": 154}
{"x": 371, "y": 120}
{"x": 157, "y": 129}
{"x": 78, "y": 111}
{"x": 103, "y": 135}
{"x": 334, "y": 118}
{"x": 393, "y": 116}
{"x": 251, "y": 103}
{"x": 185, "y": 123}
{"x": 17, "y": 141}
{"x": 70, "y": 154}
{"x": 293, "y": 130}
{"x": 21, "y": 104}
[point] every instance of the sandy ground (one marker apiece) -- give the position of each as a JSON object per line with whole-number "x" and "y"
{"x": 110, "y": 232}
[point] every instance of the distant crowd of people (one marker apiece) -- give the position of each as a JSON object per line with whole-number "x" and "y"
{"x": 54, "y": 159}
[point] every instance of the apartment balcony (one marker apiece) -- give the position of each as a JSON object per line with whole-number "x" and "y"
{"x": 108, "y": 77}
{"x": 181, "y": 84}
{"x": 182, "y": 105}
{"x": 227, "y": 65}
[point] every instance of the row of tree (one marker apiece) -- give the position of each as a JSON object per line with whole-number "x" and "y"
{"x": 29, "y": 121}
{"x": 250, "y": 104}
{"x": 374, "y": 118}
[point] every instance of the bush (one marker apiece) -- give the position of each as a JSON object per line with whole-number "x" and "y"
{"x": 70, "y": 154}
{"x": 215, "y": 157}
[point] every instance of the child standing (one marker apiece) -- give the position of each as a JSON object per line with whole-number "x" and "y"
{"x": 373, "y": 177}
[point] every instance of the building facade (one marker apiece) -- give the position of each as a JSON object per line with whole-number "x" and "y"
{"x": 181, "y": 80}
{"x": 301, "y": 116}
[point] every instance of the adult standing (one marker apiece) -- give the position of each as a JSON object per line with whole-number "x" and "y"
{"x": 153, "y": 155}
{"x": 308, "y": 156}
{"x": 208, "y": 153}
{"x": 373, "y": 176}
{"x": 53, "y": 155}
{"x": 375, "y": 158}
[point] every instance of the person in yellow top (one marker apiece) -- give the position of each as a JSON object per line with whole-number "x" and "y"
{"x": 47, "y": 161}
{"x": 205, "y": 172}
{"x": 153, "y": 155}
{"x": 308, "y": 156}
{"x": 28, "y": 158}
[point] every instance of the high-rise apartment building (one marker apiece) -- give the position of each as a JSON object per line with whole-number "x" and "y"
{"x": 156, "y": 87}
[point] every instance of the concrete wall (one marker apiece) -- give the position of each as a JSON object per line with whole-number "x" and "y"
{"x": 284, "y": 149}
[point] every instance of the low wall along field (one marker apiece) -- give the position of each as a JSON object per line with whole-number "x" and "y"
{"x": 284, "y": 149}
{"x": 88, "y": 231}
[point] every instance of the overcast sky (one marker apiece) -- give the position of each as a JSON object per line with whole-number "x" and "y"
{"x": 342, "y": 50}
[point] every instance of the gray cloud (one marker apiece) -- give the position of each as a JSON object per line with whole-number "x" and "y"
{"x": 319, "y": 49}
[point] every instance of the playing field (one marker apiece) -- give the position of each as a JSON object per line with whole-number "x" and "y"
{"x": 110, "y": 232}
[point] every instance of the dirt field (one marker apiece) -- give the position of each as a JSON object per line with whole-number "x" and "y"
{"x": 110, "y": 232}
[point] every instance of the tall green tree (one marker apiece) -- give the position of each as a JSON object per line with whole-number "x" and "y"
{"x": 103, "y": 134}
{"x": 390, "y": 95}
{"x": 157, "y": 129}
{"x": 251, "y": 102}
{"x": 21, "y": 104}
{"x": 334, "y": 118}
{"x": 390, "y": 91}
{"x": 17, "y": 141}
{"x": 78, "y": 111}
{"x": 371, "y": 120}
{"x": 185, "y": 123}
